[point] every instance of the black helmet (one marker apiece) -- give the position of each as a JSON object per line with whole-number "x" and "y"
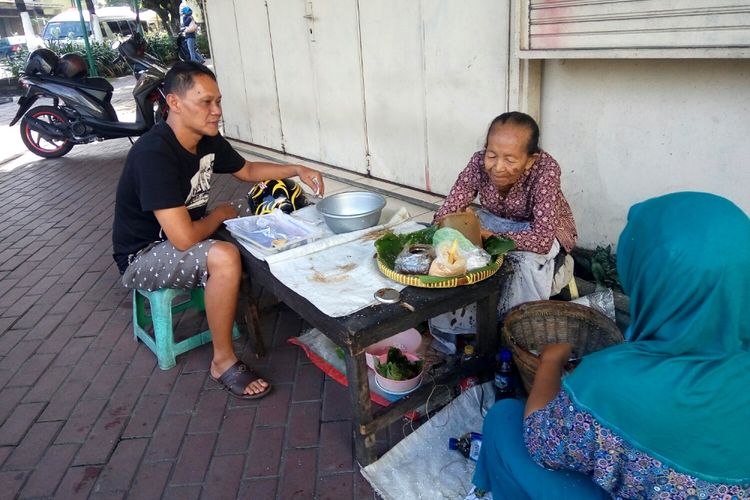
{"x": 41, "y": 62}
{"x": 284, "y": 194}
{"x": 72, "y": 65}
{"x": 134, "y": 47}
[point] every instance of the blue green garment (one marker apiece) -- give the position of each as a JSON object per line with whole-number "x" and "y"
{"x": 506, "y": 469}
{"x": 680, "y": 389}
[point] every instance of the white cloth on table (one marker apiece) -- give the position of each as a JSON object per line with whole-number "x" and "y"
{"x": 339, "y": 278}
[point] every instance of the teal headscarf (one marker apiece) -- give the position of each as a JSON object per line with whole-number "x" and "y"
{"x": 679, "y": 390}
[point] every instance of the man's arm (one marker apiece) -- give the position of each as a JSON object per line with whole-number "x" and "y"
{"x": 183, "y": 232}
{"x": 256, "y": 171}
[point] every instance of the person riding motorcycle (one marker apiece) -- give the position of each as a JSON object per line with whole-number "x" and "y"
{"x": 189, "y": 29}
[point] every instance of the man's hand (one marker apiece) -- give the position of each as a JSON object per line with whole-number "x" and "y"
{"x": 312, "y": 178}
{"x": 225, "y": 211}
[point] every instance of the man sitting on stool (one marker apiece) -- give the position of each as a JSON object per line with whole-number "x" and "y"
{"x": 161, "y": 227}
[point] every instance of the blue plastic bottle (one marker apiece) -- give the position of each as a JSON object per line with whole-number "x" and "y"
{"x": 469, "y": 445}
{"x": 505, "y": 384}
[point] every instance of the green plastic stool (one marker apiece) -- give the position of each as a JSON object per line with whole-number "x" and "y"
{"x": 162, "y": 343}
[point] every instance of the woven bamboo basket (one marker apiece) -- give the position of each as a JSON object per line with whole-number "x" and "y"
{"x": 438, "y": 282}
{"x": 530, "y": 326}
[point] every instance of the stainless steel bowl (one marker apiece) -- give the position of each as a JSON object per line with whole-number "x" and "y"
{"x": 351, "y": 210}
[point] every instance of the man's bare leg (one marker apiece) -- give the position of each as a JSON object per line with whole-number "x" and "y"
{"x": 222, "y": 290}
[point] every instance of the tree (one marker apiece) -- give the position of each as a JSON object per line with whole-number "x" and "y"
{"x": 167, "y": 10}
{"x": 94, "y": 21}
{"x": 28, "y": 28}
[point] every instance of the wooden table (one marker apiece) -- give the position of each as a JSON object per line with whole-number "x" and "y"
{"x": 355, "y": 332}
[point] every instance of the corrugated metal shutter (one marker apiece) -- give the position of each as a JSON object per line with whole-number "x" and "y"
{"x": 636, "y": 24}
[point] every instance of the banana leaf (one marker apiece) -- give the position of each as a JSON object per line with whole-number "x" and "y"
{"x": 390, "y": 245}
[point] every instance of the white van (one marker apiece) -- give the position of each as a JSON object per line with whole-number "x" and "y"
{"x": 115, "y": 23}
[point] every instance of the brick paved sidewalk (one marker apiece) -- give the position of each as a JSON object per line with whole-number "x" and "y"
{"x": 84, "y": 410}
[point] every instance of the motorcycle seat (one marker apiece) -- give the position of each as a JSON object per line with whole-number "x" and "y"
{"x": 94, "y": 83}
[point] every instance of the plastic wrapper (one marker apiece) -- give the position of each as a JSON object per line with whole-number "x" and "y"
{"x": 475, "y": 256}
{"x": 449, "y": 235}
{"x": 449, "y": 259}
{"x": 415, "y": 259}
{"x": 276, "y": 231}
{"x": 603, "y": 301}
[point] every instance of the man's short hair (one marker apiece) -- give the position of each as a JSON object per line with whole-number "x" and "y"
{"x": 522, "y": 120}
{"x": 181, "y": 77}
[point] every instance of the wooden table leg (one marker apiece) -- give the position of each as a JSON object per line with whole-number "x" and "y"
{"x": 359, "y": 395}
{"x": 487, "y": 325}
{"x": 248, "y": 307}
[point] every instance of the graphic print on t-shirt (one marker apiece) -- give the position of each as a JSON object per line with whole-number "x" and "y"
{"x": 201, "y": 183}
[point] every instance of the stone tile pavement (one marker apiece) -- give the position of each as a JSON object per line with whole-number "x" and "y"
{"x": 84, "y": 410}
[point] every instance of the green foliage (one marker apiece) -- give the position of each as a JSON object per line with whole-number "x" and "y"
{"x": 390, "y": 245}
{"x": 398, "y": 366}
{"x": 498, "y": 245}
{"x": 15, "y": 64}
{"x": 162, "y": 46}
{"x": 603, "y": 267}
{"x": 105, "y": 58}
{"x": 108, "y": 64}
{"x": 202, "y": 41}
{"x": 167, "y": 10}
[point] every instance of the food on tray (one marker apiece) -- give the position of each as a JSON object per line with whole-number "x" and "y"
{"x": 449, "y": 261}
{"x": 279, "y": 243}
{"x": 414, "y": 259}
{"x": 477, "y": 260}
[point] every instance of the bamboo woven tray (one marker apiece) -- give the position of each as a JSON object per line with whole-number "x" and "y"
{"x": 424, "y": 281}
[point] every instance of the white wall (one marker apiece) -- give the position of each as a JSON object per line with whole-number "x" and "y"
{"x": 627, "y": 130}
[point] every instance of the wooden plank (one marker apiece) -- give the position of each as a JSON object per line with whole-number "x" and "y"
{"x": 227, "y": 59}
{"x": 259, "y": 76}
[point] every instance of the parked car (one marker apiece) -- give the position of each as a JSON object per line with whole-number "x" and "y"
{"x": 9, "y": 45}
{"x": 114, "y": 22}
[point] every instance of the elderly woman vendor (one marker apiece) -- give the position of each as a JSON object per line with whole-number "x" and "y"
{"x": 663, "y": 415}
{"x": 519, "y": 190}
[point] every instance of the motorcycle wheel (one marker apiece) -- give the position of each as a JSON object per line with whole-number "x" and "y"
{"x": 37, "y": 144}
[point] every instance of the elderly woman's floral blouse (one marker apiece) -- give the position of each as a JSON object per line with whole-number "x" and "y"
{"x": 535, "y": 198}
{"x": 559, "y": 436}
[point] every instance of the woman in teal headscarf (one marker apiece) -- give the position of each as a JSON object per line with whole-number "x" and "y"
{"x": 666, "y": 414}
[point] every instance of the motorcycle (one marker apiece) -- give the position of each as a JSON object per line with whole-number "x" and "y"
{"x": 81, "y": 110}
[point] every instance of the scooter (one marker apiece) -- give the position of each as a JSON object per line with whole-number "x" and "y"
{"x": 82, "y": 111}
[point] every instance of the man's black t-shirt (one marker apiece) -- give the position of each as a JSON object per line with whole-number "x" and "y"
{"x": 159, "y": 173}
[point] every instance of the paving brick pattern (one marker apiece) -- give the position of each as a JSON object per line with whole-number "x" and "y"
{"x": 84, "y": 410}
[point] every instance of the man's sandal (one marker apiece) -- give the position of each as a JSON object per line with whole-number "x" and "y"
{"x": 236, "y": 379}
